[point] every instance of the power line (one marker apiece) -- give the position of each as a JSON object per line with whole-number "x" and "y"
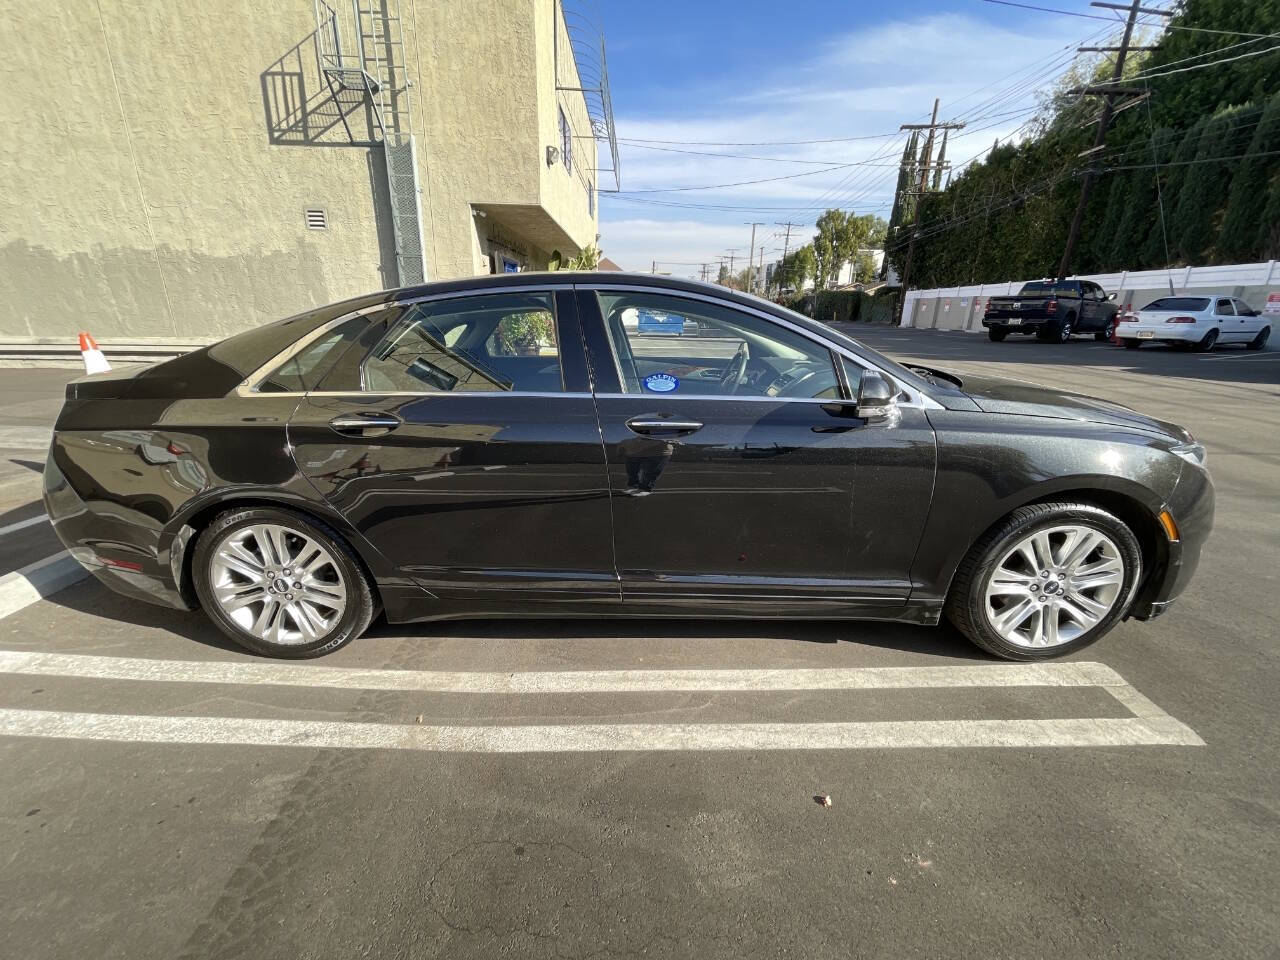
{"x": 1098, "y": 16}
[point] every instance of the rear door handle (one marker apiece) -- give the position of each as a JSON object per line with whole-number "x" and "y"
{"x": 365, "y": 424}
{"x": 649, "y": 425}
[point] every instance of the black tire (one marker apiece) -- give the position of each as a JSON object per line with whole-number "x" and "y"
{"x": 361, "y": 603}
{"x": 1260, "y": 341}
{"x": 966, "y": 608}
{"x": 1209, "y": 341}
{"x": 1107, "y": 332}
{"x": 997, "y": 333}
{"x": 1131, "y": 344}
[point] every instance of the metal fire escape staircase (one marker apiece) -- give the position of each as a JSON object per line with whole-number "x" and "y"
{"x": 374, "y": 63}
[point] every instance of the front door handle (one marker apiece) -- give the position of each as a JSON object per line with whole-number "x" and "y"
{"x": 365, "y": 424}
{"x": 650, "y": 425}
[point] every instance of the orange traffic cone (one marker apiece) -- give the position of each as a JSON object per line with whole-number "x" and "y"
{"x": 94, "y": 361}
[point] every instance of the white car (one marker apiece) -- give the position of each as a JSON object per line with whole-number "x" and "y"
{"x": 1200, "y": 322}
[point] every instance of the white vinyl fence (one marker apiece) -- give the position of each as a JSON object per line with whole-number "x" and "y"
{"x": 961, "y": 308}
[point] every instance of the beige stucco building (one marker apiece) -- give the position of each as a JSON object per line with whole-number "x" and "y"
{"x": 182, "y": 171}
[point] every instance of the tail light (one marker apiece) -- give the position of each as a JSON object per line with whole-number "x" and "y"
{"x": 1127, "y": 317}
{"x": 1051, "y": 306}
{"x": 1181, "y": 320}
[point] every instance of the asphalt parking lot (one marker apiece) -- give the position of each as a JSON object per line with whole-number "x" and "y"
{"x": 556, "y": 789}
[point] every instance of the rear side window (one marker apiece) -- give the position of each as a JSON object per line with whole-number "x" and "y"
{"x": 1224, "y": 308}
{"x": 495, "y": 343}
{"x": 1190, "y": 304}
{"x": 304, "y": 369}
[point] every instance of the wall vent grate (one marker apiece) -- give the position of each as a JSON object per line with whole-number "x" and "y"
{"x": 316, "y": 218}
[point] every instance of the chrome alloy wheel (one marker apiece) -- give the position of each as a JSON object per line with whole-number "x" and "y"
{"x": 1053, "y": 586}
{"x": 277, "y": 584}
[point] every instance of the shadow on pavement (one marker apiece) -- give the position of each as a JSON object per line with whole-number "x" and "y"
{"x": 91, "y": 599}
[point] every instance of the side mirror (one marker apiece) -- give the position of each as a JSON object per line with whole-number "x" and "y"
{"x": 877, "y": 396}
{"x": 1111, "y": 296}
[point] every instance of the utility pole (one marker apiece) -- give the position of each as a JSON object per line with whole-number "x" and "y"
{"x": 1108, "y": 92}
{"x": 730, "y": 254}
{"x": 786, "y": 242}
{"x": 653, "y": 268}
{"x": 704, "y": 273}
{"x": 751, "y": 256}
{"x": 932, "y": 126}
{"x": 758, "y": 286}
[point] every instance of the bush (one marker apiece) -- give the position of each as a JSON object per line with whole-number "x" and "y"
{"x": 857, "y": 306}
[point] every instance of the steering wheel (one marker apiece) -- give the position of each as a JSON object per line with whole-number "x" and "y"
{"x": 736, "y": 371}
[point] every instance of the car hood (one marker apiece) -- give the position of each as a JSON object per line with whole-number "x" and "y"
{"x": 998, "y": 395}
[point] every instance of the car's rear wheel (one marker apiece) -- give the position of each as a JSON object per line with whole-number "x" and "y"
{"x": 997, "y": 333}
{"x": 1208, "y": 342}
{"x": 1260, "y": 341}
{"x": 1107, "y": 332}
{"x": 281, "y": 584}
{"x": 1131, "y": 344}
{"x": 1049, "y": 579}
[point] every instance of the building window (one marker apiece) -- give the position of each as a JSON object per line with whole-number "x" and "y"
{"x": 566, "y": 142}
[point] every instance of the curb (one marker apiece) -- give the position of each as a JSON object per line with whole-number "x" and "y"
{"x": 35, "y": 581}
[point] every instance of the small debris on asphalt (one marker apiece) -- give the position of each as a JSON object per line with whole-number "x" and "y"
{"x": 822, "y": 800}
{"x": 418, "y": 718}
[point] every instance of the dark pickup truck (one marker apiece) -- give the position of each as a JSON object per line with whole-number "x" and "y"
{"x": 1053, "y": 310}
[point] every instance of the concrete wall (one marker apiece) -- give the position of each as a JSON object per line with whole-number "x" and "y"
{"x": 138, "y": 191}
{"x": 961, "y": 308}
{"x": 158, "y": 158}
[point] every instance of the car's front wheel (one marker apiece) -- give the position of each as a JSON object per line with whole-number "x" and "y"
{"x": 1049, "y": 579}
{"x": 281, "y": 584}
{"x": 1260, "y": 341}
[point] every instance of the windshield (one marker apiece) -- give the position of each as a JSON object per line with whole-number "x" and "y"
{"x": 1051, "y": 288}
{"x": 1193, "y": 304}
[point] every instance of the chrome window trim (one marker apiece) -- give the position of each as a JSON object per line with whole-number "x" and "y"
{"x": 248, "y": 387}
{"x": 917, "y": 398}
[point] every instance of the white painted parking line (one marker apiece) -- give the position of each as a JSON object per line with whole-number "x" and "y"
{"x": 25, "y": 438}
{"x": 35, "y": 581}
{"x": 601, "y": 738}
{"x": 566, "y": 682}
{"x": 23, "y": 524}
{"x": 1241, "y": 356}
{"x": 1147, "y": 725}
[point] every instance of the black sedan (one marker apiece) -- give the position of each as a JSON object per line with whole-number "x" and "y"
{"x": 606, "y": 444}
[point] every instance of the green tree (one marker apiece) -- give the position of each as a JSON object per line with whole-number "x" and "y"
{"x": 795, "y": 269}
{"x": 1245, "y": 227}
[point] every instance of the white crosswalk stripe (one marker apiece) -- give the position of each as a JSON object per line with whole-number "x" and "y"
{"x": 1147, "y": 724}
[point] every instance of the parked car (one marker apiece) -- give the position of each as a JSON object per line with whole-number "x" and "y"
{"x": 1053, "y": 310}
{"x": 396, "y": 453}
{"x": 1199, "y": 322}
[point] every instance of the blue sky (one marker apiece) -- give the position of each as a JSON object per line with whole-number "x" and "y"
{"x": 751, "y": 72}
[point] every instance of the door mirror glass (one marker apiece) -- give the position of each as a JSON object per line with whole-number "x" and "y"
{"x": 877, "y": 396}
{"x": 1110, "y": 297}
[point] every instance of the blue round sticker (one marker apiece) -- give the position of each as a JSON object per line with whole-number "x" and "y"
{"x": 660, "y": 382}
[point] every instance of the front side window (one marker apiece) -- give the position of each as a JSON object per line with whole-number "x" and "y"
{"x": 678, "y": 347}
{"x": 502, "y": 342}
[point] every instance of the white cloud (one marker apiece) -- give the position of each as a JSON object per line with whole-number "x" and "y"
{"x": 861, "y": 83}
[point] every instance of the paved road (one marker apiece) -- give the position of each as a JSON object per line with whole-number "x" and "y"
{"x": 291, "y": 836}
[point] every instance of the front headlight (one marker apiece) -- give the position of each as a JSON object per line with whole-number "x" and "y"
{"x": 1191, "y": 452}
